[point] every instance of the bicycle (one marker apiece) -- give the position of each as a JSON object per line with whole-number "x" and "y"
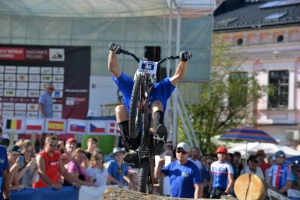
{"x": 139, "y": 109}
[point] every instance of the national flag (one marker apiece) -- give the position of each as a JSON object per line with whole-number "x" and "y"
{"x": 113, "y": 127}
{"x": 34, "y": 125}
{"x": 76, "y": 126}
{"x": 55, "y": 125}
{"x": 14, "y": 124}
{"x": 97, "y": 126}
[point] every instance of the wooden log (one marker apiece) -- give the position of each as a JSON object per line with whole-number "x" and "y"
{"x": 251, "y": 187}
{"x": 114, "y": 193}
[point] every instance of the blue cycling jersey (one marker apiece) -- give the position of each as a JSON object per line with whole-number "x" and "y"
{"x": 279, "y": 174}
{"x": 161, "y": 91}
{"x": 220, "y": 171}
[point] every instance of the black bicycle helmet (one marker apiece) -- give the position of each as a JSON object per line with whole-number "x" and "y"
{"x": 280, "y": 154}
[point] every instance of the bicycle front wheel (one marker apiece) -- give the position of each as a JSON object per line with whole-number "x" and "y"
{"x": 145, "y": 181}
{"x": 135, "y": 115}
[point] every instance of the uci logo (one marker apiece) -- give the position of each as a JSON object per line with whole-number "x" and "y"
{"x": 20, "y": 114}
{"x": 5, "y": 106}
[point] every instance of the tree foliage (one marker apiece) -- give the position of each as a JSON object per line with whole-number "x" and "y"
{"x": 228, "y": 99}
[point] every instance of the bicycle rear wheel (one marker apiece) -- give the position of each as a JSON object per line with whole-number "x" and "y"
{"x": 145, "y": 181}
{"x": 135, "y": 115}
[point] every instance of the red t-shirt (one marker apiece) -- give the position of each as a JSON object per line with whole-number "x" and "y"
{"x": 264, "y": 166}
{"x": 51, "y": 169}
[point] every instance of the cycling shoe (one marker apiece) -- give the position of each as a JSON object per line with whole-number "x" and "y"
{"x": 159, "y": 139}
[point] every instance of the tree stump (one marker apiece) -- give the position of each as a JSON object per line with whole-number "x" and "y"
{"x": 251, "y": 187}
{"x": 114, "y": 193}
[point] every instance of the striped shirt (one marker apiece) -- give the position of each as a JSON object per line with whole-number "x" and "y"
{"x": 220, "y": 171}
{"x": 279, "y": 174}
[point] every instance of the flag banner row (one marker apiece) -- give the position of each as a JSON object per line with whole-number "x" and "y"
{"x": 60, "y": 126}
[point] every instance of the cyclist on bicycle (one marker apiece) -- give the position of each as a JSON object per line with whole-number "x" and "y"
{"x": 159, "y": 94}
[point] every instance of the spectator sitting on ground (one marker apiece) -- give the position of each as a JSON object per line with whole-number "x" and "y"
{"x": 195, "y": 154}
{"x": 261, "y": 160}
{"x": 51, "y": 166}
{"x": 97, "y": 170}
{"x": 117, "y": 170}
{"x": 134, "y": 179}
{"x": 295, "y": 176}
{"x": 75, "y": 169}
{"x": 70, "y": 148}
{"x": 13, "y": 153}
{"x": 28, "y": 173}
{"x": 253, "y": 168}
{"x": 280, "y": 174}
{"x": 272, "y": 161}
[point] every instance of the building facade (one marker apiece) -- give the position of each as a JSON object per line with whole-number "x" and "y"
{"x": 268, "y": 35}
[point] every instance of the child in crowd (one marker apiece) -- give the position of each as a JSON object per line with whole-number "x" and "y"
{"x": 134, "y": 180}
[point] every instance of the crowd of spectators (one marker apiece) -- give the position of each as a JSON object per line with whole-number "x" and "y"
{"x": 192, "y": 175}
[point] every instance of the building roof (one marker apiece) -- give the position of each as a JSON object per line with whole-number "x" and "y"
{"x": 254, "y": 15}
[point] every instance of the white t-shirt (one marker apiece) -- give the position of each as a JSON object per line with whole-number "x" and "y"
{"x": 258, "y": 172}
{"x": 196, "y": 162}
{"x": 97, "y": 174}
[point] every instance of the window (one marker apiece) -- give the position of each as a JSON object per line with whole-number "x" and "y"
{"x": 238, "y": 89}
{"x": 280, "y": 81}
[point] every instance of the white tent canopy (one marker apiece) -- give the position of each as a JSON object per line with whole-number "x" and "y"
{"x": 103, "y": 8}
{"x": 270, "y": 149}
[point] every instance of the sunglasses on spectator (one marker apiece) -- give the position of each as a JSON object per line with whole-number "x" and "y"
{"x": 183, "y": 152}
{"x": 209, "y": 163}
{"x": 53, "y": 145}
{"x": 120, "y": 171}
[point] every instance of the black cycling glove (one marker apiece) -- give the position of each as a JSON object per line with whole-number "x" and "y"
{"x": 115, "y": 47}
{"x": 185, "y": 55}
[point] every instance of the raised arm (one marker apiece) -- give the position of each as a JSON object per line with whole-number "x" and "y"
{"x": 181, "y": 68}
{"x": 113, "y": 65}
{"x": 158, "y": 174}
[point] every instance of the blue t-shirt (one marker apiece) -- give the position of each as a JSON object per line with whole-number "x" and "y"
{"x": 205, "y": 174}
{"x": 182, "y": 178}
{"x": 161, "y": 91}
{"x": 3, "y": 166}
{"x": 279, "y": 174}
{"x": 220, "y": 171}
{"x": 113, "y": 170}
{"x": 47, "y": 101}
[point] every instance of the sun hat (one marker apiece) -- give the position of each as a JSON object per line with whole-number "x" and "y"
{"x": 116, "y": 150}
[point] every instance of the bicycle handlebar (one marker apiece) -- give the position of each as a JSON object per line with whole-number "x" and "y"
{"x": 138, "y": 60}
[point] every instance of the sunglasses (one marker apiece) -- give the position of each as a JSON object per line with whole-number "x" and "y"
{"x": 209, "y": 163}
{"x": 53, "y": 145}
{"x": 120, "y": 171}
{"x": 183, "y": 152}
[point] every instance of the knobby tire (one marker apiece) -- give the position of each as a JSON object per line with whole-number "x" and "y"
{"x": 135, "y": 118}
{"x": 145, "y": 182}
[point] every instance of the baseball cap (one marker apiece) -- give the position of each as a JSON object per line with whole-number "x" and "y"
{"x": 183, "y": 145}
{"x": 260, "y": 152}
{"x": 295, "y": 167}
{"x": 14, "y": 149}
{"x": 71, "y": 140}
